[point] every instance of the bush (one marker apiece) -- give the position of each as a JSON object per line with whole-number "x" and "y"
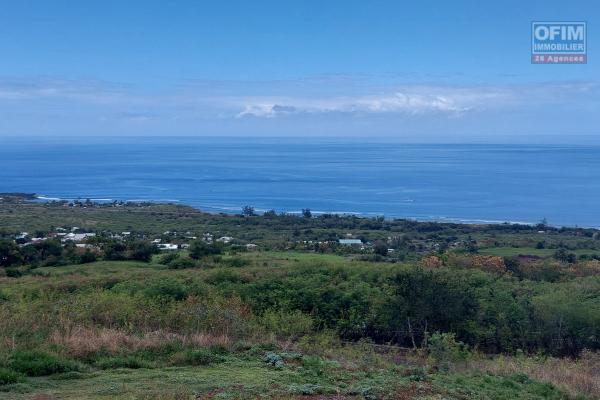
{"x": 87, "y": 257}
{"x": 199, "y": 249}
{"x": 8, "y": 376}
{"x": 181, "y": 263}
{"x": 288, "y": 325}
{"x": 167, "y": 258}
{"x": 274, "y": 360}
{"x": 142, "y": 250}
{"x": 166, "y": 289}
{"x": 13, "y": 273}
{"x": 196, "y": 357}
{"x": 37, "y": 363}
{"x": 444, "y": 350}
{"x": 314, "y": 365}
{"x": 236, "y": 262}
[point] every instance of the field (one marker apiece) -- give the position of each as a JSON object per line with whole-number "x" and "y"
{"x": 293, "y": 319}
{"x": 323, "y": 366}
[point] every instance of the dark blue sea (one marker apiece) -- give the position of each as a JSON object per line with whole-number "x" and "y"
{"x": 470, "y": 183}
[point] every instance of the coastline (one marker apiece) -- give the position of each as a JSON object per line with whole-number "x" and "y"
{"x": 214, "y": 209}
{"x": 231, "y": 210}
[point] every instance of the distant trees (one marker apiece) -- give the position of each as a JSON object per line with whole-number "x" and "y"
{"x": 141, "y": 250}
{"x": 87, "y": 257}
{"x": 248, "y": 211}
{"x": 562, "y": 255}
{"x": 306, "y": 213}
{"x": 199, "y": 249}
{"x": 380, "y": 248}
{"x": 114, "y": 250}
{"x": 9, "y": 253}
{"x": 44, "y": 253}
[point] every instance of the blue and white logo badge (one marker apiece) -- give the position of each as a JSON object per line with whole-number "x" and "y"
{"x": 558, "y": 43}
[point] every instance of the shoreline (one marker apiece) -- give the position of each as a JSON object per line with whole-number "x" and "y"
{"x": 260, "y": 211}
{"x": 231, "y": 210}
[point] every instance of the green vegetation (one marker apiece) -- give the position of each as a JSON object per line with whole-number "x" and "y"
{"x": 293, "y": 319}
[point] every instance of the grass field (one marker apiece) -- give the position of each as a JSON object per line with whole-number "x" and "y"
{"x": 253, "y": 379}
{"x": 290, "y": 321}
{"x": 309, "y": 370}
{"x": 517, "y": 251}
{"x": 530, "y": 251}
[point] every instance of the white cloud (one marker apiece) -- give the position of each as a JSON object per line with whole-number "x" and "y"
{"x": 409, "y": 101}
{"x": 221, "y": 101}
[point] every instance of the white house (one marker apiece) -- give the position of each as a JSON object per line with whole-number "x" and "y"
{"x": 350, "y": 242}
{"x": 168, "y": 246}
{"x": 77, "y": 237}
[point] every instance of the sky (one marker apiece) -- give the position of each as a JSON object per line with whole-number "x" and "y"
{"x": 418, "y": 71}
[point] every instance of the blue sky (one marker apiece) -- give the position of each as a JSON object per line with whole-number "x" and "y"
{"x": 415, "y": 71}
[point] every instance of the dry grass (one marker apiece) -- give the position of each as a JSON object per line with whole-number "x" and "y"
{"x": 81, "y": 342}
{"x": 576, "y": 377}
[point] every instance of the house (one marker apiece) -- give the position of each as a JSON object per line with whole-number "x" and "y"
{"x": 225, "y": 239}
{"x": 22, "y": 236}
{"x": 77, "y": 237}
{"x": 168, "y": 246}
{"x": 251, "y": 246}
{"x": 350, "y": 242}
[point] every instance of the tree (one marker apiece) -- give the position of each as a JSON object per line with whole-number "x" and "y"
{"x": 48, "y": 248}
{"x": 87, "y": 257}
{"x": 380, "y": 248}
{"x": 306, "y": 213}
{"x": 142, "y": 250}
{"x": 9, "y": 253}
{"x": 114, "y": 250}
{"x": 248, "y": 211}
{"x": 199, "y": 249}
{"x": 562, "y": 255}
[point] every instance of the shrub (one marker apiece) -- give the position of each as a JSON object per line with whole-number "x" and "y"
{"x": 8, "y": 376}
{"x": 167, "y": 289}
{"x": 87, "y": 257}
{"x": 236, "y": 262}
{"x": 142, "y": 250}
{"x": 444, "y": 350}
{"x": 274, "y": 360}
{"x": 199, "y": 249}
{"x": 289, "y": 325}
{"x": 181, "y": 263}
{"x": 167, "y": 258}
{"x": 37, "y": 363}
{"x": 13, "y": 273}
{"x": 313, "y": 365}
{"x": 196, "y": 357}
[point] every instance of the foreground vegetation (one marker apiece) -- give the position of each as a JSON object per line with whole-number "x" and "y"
{"x": 286, "y": 321}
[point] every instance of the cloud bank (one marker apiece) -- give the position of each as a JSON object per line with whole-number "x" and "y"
{"x": 60, "y": 106}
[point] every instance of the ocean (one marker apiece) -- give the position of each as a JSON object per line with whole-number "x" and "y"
{"x": 441, "y": 182}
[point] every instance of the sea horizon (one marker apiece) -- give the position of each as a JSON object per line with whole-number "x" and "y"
{"x": 468, "y": 183}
